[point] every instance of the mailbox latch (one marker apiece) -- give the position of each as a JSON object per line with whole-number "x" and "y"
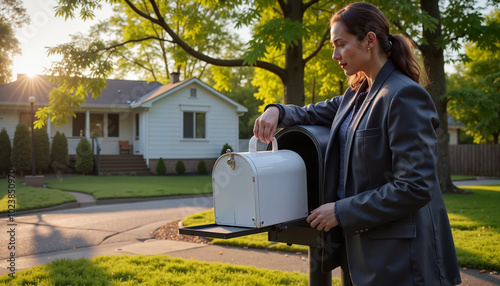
{"x": 231, "y": 161}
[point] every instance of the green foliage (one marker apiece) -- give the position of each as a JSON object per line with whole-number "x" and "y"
{"x": 84, "y": 157}
{"x": 42, "y": 149}
{"x": 202, "y": 167}
{"x": 474, "y": 93}
{"x": 5, "y": 150}
{"x": 59, "y": 152}
{"x": 180, "y": 168}
{"x": 225, "y": 147}
{"x": 20, "y": 155}
{"x": 161, "y": 168}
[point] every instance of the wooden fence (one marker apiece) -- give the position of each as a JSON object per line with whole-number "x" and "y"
{"x": 475, "y": 160}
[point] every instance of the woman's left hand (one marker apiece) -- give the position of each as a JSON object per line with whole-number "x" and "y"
{"x": 323, "y": 218}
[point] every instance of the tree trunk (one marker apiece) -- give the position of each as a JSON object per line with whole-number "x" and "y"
{"x": 434, "y": 64}
{"x": 293, "y": 85}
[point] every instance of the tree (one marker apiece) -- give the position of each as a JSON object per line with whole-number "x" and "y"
{"x": 288, "y": 37}
{"x": 84, "y": 157}
{"x": 42, "y": 149}
{"x": 59, "y": 152}
{"x": 161, "y": 168}
{"x": 12, "y": 15}
{"x": 180, "y": 168}
{"x": 474, "y": 96}
{"x": 21, "y": 149}
{"x": 5, "y": 149}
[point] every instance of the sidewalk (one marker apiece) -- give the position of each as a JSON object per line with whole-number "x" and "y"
{"x": 214, "y": 253}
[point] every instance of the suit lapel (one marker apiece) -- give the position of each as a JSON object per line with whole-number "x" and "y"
{"x": 377, "y": 84}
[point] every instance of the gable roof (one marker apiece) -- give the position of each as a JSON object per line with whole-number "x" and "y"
{"x": 118, "y": 93}
{"x": 167, "y": 89}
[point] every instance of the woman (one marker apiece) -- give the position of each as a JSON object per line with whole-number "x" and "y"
{"x": 381, "y": 182}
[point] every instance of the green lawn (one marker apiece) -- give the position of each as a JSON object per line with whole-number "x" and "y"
{"x": 113, "y": 187}
{"x": 150, "y": 270}
{"x": 475, "y": 223}
{"x": 28, "y": 198}
{"x": 474, "y": 219}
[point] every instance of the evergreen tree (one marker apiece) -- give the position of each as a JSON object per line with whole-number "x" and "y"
{"x": 84, "y": 157}
{"x": 20, "y": 156}
{"x": 59, "y": 152}
{"x": 180, "y": 168}
{"x": 202, "y": 167}
{"x": 161, "y": 168}
{"x": 5, "y": 150}
{"x": 42, "y": 149}
{"x": 225, "y": 147}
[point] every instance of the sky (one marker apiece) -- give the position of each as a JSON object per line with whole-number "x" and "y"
{"x": 46, "y": 30}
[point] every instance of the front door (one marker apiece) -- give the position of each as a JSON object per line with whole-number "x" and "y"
{"x": 137, "y": 138}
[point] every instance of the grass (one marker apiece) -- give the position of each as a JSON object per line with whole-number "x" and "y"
{"x": 28, "y": 198}
{"x": 475, "y": 224}
{"x": 150, "y": 270}
{"x": 134, "y": 187}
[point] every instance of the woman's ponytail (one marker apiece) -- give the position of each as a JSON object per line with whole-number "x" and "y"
{"x": 403, "y": 55}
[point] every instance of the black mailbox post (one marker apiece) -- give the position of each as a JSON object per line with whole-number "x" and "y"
{"x": 310, "y": 143}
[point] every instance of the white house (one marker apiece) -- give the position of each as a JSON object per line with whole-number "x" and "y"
{"x": 186, "y": 120}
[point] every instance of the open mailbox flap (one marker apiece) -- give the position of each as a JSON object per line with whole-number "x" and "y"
{"x": 226, "y": 232}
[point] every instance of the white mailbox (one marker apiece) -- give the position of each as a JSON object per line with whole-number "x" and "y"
{"x": 258, "y": 189}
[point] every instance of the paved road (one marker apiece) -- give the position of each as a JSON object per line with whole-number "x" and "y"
{"x": 99, "y": 225}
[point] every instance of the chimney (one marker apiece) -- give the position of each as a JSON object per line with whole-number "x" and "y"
{"x": 174, "y": 77}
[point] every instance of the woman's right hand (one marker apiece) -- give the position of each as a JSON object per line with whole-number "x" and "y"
{"x": 266, "y": 124}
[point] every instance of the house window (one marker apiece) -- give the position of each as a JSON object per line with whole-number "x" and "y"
{"x": 193, "y": 93}
{"x": 79, "y": 125}
{"x": 96, "y": 125}
{"x": 113, "y": 125}
{"x": 194, "y": 125}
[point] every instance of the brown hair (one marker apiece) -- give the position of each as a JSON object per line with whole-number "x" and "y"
{"x": 361, "y": 18}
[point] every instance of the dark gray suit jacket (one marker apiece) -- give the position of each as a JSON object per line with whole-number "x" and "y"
{"x": 394, "y": 221}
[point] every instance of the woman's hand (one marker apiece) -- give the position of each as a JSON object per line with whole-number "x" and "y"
{"x": 323, "y": 218}
{"x": 266, "y": 124}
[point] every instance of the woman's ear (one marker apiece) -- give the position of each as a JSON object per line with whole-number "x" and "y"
{"x": 371, "y": 40}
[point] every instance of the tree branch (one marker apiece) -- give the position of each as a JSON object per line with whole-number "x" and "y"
{"x": 280, "y": 72}
{"x": 283, "y": 7}
{"x": 310, "y": 3}
{"x": 319, "y": 47}
{"x": 135, "y": 41}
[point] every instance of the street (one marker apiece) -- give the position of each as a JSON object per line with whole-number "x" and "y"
{"x": 99, "y": 225}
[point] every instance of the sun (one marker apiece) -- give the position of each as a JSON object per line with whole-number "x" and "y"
{"x": 31, "y": 74}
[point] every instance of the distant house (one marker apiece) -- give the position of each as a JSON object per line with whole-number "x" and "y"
{"x": 186, "y": 120}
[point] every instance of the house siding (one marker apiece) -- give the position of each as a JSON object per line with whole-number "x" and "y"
{"x": 165, "y": 128}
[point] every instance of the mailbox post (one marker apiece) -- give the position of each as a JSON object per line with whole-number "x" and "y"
{"x": 310, "y": 143}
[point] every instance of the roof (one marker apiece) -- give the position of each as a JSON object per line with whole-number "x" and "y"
{"x": 118, "y": 93}
{"x": 165, "y": 90}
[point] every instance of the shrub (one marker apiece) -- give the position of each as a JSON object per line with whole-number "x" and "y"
{"x": 59, "y": 152}
{"x": 5, "y": 150}
{"x": 225, "y": 147}
{"x": 20, "y": 155}
{"x": 180, "y": 168}
{"x": 42, "y": 149}
{"x": 161, "y": 168}
{"x": 84, "y": 157}
{"x": 202, "y": 167}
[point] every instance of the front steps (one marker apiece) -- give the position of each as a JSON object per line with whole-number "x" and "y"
{"x": 123, "y": 164}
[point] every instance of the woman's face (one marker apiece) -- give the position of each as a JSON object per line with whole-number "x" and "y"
{"x": 352, "y": 55}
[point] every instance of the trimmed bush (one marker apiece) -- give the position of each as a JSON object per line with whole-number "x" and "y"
{"x": 202, "y": 167}
{"x": 20, "y": 156}
{"x": 59, "y": 152}
{"x": 42, "y": 149}
{"x": 225, "y": 147}
{"x": 5, "y": 150}
{"x": 180, "y": 168}
{"x": 84, "y": 157}
{"x": 161, "y": 168}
